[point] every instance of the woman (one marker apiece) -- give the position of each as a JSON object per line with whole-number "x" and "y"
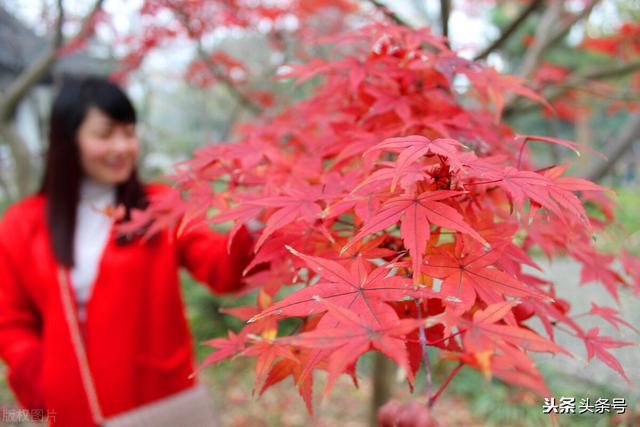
{"x": 125, "y": 291}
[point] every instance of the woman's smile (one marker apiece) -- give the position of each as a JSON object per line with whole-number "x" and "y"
{"x": 108, "y": 149}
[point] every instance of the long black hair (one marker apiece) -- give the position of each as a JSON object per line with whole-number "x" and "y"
{"x": 63, "y": 172}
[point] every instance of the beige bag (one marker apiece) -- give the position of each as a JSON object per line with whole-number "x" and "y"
{"x": 191, "y": 407}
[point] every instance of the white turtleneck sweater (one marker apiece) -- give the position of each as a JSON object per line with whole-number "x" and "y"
{"x": 91, "y": 236}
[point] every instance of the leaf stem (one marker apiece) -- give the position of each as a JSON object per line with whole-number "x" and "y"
{"x": 566, "y": 331}
{"x": 343, "y": 222}
{"x": 425, "y": 355}
{"x": 483, "y": 182}
{"x": 520, "y": 152}
{"x": 452, "y": 374}
{"x": 436, "y": 342}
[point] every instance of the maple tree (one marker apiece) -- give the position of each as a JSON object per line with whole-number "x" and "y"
{"x": 398, "y": 215}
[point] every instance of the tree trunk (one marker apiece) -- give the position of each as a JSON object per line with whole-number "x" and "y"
{"x": 382, "y": 384}
{"x": 25, "y": 173}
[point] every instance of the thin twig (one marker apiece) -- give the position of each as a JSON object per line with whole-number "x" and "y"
{"x": 613, "y": 72}
{"x": 574, "y": 83}
{"x": 389, "y": 13}
{"x": 204, "y": 57}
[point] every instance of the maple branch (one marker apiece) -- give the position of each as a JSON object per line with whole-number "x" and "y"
{"x": 510, "y": 29}
{"x": 59, "y": 37}
{"x": 613, "y": 72}
{"x": 240, "y": 97}
{"x": 389, "y": 13}
{"x": 233, "y": 118}
{"x": 575, "y": 83}
{"x": 541, "y": 37}
{"x": 615, "y": 97}
{"x": 445, "y": 384}
{"x": 559, "y": 35}
{"x": 202, "y": 54}
{"x": 425, "y": 355}
{"x": 545, "y": 36}
{"x": 616, "y": 148}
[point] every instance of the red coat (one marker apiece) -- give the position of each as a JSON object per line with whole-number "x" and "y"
{"x": 138, "y": 343}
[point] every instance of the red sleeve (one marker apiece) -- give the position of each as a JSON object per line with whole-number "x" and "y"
{"x": 20, "y": 343}
{"x": 204, "y": 253}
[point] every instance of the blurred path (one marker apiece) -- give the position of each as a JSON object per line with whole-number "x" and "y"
{"x": 566, "y": 274}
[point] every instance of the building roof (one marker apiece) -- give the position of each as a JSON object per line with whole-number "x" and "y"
{"x": 20, "y": 46}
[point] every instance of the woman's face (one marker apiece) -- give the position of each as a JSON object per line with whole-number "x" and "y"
{"x": 108, "y": 149}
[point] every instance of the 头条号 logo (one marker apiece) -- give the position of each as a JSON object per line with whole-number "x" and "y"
{"x": 570, "y": 405}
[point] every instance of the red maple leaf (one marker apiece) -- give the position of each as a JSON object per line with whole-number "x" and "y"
{"x": 494, "y": 85}
{"x": 226, "y": 348}
{"x": 414, "y": 147}
{"x": 468, "y": 272}
{"x": 299, "y": 203}
{"x": 484, "y": 333}
{"x": 597, "y": 346}
{"x": 358, "y": 289}
{"x": 417, "y": 213}
{"x": 611, "y": 316}
{"x": 295, "y": 368}
{"x": 266, "y": 352}
{"x": 355, "y": 336}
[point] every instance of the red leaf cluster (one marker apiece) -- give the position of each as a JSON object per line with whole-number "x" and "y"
{"x": 398, "y": 214}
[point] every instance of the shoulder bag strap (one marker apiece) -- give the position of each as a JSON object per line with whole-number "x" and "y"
{"x": 78, "y": 346}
